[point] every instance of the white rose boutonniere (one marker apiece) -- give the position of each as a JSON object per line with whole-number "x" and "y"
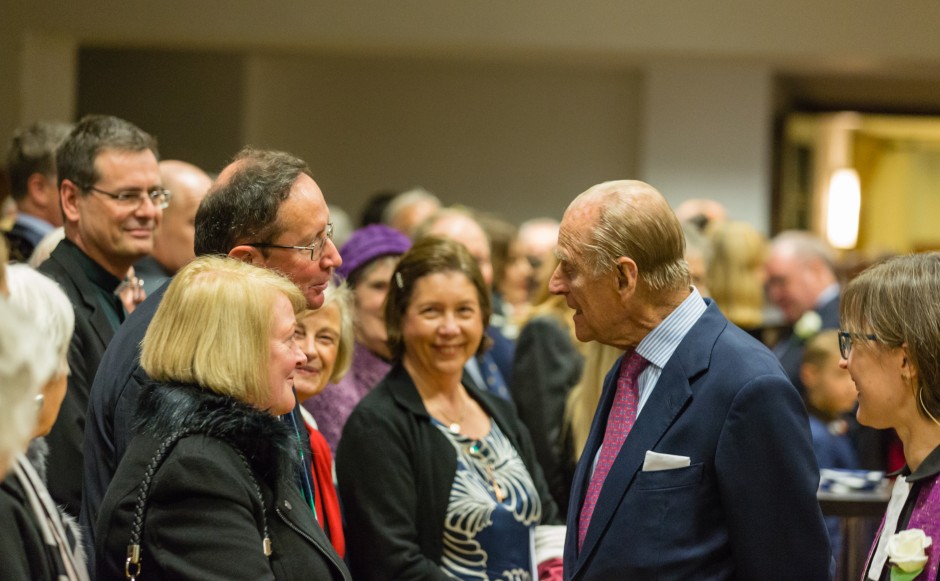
{"x": 907, "y": 552}
{"x": 808, "y": 325}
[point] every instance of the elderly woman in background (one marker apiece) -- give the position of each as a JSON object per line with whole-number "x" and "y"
{"x": 25, "y": 359}
{"x": 369, "y": 257}
{"x": 38, "y": 541}
{"x": 890, "y": 343}
{"x": 438, "y": 479}
{"x": 208, "y": 489}
{"x": 326, "y": 338}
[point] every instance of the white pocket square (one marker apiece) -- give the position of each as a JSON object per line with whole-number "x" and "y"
{"x": 655, "y": 461}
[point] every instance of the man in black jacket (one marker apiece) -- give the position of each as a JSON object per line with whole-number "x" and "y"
{"x": 112, "y": 199}
{"x": 264, "y": 209}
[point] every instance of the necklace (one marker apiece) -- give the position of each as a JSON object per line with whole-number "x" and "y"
{"x": 475, "y": 450}
{"x": 454, "y": 426}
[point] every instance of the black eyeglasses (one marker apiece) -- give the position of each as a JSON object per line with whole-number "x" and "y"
{"x": 134, "y": 198}
{"x": 845, "y": 342}
{"x": 316, "y": 248}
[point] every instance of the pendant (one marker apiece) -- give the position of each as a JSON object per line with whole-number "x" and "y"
{"x": 454, "y": 428}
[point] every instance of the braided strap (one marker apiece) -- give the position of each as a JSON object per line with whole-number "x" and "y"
{"x": 132, "y": 565}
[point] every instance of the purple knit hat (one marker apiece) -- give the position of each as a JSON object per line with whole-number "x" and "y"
{"x": 367, "y": 244}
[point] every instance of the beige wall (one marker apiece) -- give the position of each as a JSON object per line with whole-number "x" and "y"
{"x": 514, "y": 106}
{"x": 191, "y": 101}
{"x": 518, "y": 140}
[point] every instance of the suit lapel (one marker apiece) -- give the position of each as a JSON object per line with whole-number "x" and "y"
{"x": 84, "y": 287}
{"x": 303, "y": 522}
{"x": 666, "y": 402}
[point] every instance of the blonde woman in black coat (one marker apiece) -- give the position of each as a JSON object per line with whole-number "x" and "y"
{"x": 208, "y": 490}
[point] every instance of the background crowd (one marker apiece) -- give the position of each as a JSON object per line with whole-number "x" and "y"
{"x": 185, "y": 354}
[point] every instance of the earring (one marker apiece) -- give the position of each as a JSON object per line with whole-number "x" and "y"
{"x": 40, "y": 398}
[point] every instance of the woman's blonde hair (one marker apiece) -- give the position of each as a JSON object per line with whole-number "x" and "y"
{"x": 340, "y": 295}
{"x": 735, "y": 272}
{"x": 583, "y": 398}
{"x": 213, "y": 327}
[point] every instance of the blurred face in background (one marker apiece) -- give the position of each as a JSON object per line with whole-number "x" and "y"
{"x": 318, "y": 335}
{"x": 369, "y": 294}
{"x": 793, "y": 283}
{"x": 518, "y": 274}
{"x": 829, "y": 388}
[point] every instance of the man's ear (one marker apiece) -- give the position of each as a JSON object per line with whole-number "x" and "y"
{"x": 36, "y": 185}
{"x": 69, "y": 194}
{"x": 248, "y": 254}
{"x": 627, "y": 272}
{"x": 809, "y": 375}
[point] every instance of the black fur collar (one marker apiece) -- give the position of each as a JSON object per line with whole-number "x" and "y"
{"x": 269, "y": 443}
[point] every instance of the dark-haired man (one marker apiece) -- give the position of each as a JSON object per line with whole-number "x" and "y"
{"x": 112, "y": 199}
{"x": 34, "y": 185}
{"x": 264, "y": 209}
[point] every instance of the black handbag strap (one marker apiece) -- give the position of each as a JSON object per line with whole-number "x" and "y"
{"x": 132, "y": 565}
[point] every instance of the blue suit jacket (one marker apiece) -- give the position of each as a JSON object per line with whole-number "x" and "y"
{"x": 745, "y": 508}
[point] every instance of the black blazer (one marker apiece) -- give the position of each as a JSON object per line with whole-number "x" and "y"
{"x": 92, "y": 334}
{"x": 204, "y": 517}
{"x": 395, "y": 473}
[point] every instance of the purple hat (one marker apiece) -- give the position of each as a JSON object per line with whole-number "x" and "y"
{"x": 367, "y": 244}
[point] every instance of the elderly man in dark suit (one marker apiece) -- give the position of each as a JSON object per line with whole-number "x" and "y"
{"x": 801, "y": 281}
{"x": 699, "y": 463}
{"x": 112, "y": 199}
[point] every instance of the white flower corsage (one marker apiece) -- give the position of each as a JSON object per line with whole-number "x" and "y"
{"x": 808, "y": 325}
{"x": 907, "y": 552}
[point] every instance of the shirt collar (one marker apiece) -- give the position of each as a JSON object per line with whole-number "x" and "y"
{"x": 929, "y": 467}
{"x": 96, "y": 273}
{"x": 829, "y": 293}
{"x": 659, "y": 345}
{"x": 35, "y": 224}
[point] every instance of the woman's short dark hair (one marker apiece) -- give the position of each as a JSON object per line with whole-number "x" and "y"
{"x": 896, "y": 300}
{"x": 428, "y": 256}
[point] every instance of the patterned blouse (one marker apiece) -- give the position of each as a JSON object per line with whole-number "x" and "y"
{"x": 492, "y": 511}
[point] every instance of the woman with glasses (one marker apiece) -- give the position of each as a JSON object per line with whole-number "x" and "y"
{"x": 890, "y": 343}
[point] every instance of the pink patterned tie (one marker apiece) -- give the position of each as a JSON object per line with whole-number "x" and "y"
{"x": 619, "y": 422}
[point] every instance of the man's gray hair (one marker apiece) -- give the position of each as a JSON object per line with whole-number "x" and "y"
{"x": 805, "y": 246}
{"x": 405, "y": 199}
{"x": 634, "y": 220}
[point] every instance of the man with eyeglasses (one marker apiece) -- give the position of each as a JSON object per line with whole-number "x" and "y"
{"x": 264, "y": 209}
{"x": 112, "y": 199}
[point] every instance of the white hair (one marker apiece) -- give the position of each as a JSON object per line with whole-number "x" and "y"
{"x": 46, "y": 303}
{"x": 46, "y": 246}
{"x": 25, "y": 359}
